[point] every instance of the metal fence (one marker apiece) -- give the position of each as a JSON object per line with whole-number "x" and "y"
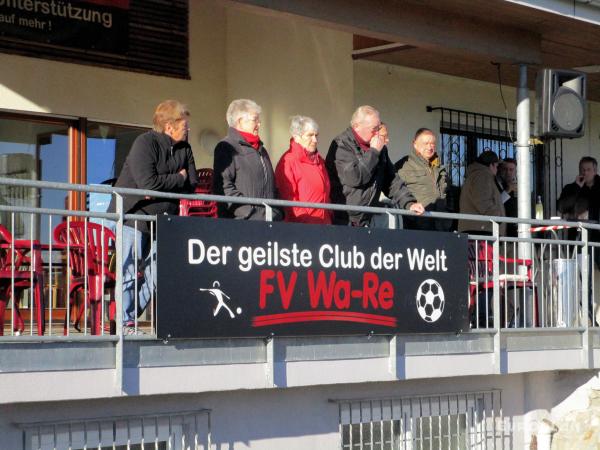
{"x": 64, "y": 279}
{"x": 187, "y": 430}
{"x": 467, "y": 420}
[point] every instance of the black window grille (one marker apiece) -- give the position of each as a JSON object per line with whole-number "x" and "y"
{"x": 464, "y": 135}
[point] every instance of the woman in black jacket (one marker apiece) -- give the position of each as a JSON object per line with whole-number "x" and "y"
{"x": 242, "y": 167}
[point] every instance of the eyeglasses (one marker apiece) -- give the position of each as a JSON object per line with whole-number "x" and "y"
{"x": 253, "y": 119}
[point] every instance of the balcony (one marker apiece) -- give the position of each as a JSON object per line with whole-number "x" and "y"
{"x": 527, "y": 314}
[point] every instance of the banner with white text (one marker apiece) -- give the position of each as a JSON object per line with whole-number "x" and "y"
{"x": 229, "y": 278}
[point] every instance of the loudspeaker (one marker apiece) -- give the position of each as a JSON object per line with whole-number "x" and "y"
{"x": 560, "y": 98}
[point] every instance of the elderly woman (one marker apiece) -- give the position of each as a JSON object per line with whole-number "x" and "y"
{"x": 301, "y": 174}
{"x": 242, "y": 167}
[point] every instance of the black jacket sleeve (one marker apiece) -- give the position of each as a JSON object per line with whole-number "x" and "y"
{"x": 354, "y": 169}
{"x": 192, "y": 171}
{"x": 400, "y": 194}
{"x": 394, "y": 186}
{"x": 568, "y": 199}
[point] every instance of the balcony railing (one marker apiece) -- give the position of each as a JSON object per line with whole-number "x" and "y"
{"x": 59, "y": 276}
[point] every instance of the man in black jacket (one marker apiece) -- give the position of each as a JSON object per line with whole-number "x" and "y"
{"x": 159, "y": 160}
{"x": 360, "y": 169}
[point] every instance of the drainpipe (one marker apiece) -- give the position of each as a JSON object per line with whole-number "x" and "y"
{"x": 523, "y": 163}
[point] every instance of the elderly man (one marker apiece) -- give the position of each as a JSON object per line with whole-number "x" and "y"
{"x": 360, "y": 169}
{"x": 480, "y": 195}
{"x": 159, "y": 160}
{"x": 426, "y": 179}
{"x": 242, "y": 167}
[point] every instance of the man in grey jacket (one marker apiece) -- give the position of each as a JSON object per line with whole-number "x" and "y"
{"x": 426, "y": 178}
{"x": 360, "y": 170}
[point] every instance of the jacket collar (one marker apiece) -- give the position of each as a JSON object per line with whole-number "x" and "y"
{"x": 235, "y": 136}
{"x": 420, "y": 160}
{"x": 300, "y": 152}
{"x": 167, "y": 141}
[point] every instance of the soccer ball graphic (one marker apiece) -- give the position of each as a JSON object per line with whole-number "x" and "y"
{"x": 430, "y": 300}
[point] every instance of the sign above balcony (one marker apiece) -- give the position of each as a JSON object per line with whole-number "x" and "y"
{"x": 228, "y": 278}
{"x": 121, "y": 34}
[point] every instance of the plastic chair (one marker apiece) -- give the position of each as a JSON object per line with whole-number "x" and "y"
{"x": 90, "y": 246}
{"x": 21, "y": 267}
{"x": 481, "y": 284}
{"x": 205, "y": 180}
{"x": 200, "y": 208}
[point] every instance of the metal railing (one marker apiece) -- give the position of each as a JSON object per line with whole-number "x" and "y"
{"x": 82, "y": 290}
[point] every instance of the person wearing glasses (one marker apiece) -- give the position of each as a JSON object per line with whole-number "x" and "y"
{"x": 159, "y": 160}
{"x": 242, "y": 167}
{"x": 301, "y": 174}
{"x": 360, "y": 170}
{"x": 427, "y": 180}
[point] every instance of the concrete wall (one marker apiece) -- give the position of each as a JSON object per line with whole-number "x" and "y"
{"x": 305, "y": 418}
{"x": 294, "y": 419}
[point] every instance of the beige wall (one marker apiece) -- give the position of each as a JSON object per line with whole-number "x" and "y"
{"x": 290, "y": 67}
{"x": 282, "y": 63}
{"x": 401, "y": 94}
{"x": 285, "y": 64}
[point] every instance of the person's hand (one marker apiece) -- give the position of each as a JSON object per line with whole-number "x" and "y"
{"x": 417, "y": 208}
{"x": 183, "y": 172}
{"x": 512, "y": 187}
{"x": 377, "y": 142}
{"x": 579, "y": 180}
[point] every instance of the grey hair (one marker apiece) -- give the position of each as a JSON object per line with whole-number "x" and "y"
{"x": 240, "y": 108}
{"x": 362, "y": 112}
{"x": 300, "y": 124}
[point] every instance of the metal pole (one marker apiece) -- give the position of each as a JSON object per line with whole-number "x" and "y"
{"x": 119, "y": 295}
{"x": 524, "y": 161}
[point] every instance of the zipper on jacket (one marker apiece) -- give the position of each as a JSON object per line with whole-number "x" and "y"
{"x": 264, "y": 167}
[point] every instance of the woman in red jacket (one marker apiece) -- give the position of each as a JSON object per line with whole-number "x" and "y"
{"x": 301, "y": 174}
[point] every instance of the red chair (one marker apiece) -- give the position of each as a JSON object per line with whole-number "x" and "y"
{"x": 21, "y": 268}
{"x": 90, "y": 247}
{"x": 205, "y": 180}
{"x": 200, "y": 208}
{"x": 481, "y": 281}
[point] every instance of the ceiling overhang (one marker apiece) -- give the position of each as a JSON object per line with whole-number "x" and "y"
{"x": 464, "y": 38}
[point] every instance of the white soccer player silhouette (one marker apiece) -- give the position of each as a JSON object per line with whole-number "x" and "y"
{"x": 219, "y": 294}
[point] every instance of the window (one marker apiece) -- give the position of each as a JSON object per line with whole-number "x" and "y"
{"x": 33, "y": 150}
{"x": 107, "y": 148}
{"x": 176, "y": 431}
{"x": 471, "y": 420}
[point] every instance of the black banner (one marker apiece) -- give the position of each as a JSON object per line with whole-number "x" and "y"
{"x": 101, "y": 25}
{"x": 228, "y": 278}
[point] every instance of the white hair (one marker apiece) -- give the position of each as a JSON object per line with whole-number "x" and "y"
{"x": 362, "y": 112}
{"x": 301, "y": 124}
{"x": 241, "y": 108}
